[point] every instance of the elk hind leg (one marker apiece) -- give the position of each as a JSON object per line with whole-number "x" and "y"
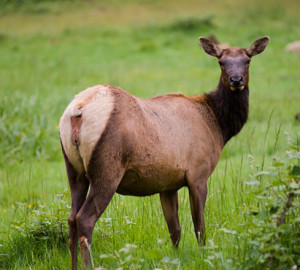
{"x": 78, "y": 195}
{"x": 79, "y": 185}
{"x": 103, "y": 186}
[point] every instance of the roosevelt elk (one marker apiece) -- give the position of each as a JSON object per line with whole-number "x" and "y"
{"x": 114, "y": 142}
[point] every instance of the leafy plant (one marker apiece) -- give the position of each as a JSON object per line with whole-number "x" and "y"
{"x": 43, "y": 228}
{"x": 273, "y": 241}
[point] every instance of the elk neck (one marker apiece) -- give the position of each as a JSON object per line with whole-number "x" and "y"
{"x": 230, "y": 108}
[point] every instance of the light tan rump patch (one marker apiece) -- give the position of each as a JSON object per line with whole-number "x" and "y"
{"x": 83, "y": 122}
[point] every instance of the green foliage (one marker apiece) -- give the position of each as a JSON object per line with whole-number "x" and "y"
{"x": 23, "y": 140}
{"x": 128, "y": 258}
{"x": 42, "y": 227}
{"x": 273, "y": 239}
{"x": 51, "y": 50}
{"x": 191, "y": 24}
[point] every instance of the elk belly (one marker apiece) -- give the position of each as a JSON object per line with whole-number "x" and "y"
{"x": 149, "y": 180}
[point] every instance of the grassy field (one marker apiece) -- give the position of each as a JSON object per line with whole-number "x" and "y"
{"x": 51, "y": 50}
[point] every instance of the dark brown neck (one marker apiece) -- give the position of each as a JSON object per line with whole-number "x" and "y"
{"x": 230, "y": 108}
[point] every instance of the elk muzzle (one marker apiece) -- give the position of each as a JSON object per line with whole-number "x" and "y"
{"x": 236, "y": 82}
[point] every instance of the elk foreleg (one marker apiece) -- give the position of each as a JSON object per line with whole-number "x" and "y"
{"x": 198, "y": 194}
{"x": 169, "y": 203}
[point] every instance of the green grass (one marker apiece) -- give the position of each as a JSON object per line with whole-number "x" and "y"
{"x": 52, "y": 50}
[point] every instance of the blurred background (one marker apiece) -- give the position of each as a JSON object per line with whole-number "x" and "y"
{"x": 51, "y": 50}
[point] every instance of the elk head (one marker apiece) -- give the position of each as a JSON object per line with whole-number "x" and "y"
{"x": 234, "y": 62}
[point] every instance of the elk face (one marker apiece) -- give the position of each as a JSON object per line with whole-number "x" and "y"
{"x": 234, "y": 62}
{"x": 234, "y": 65}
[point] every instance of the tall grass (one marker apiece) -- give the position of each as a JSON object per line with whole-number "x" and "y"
{"x": 47, "y": 57}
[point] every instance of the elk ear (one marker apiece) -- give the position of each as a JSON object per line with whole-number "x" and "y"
{"x": 209, "y": 47}
{"x": 258, "y": 46}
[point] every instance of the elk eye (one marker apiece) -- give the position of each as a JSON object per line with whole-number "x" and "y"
{"x": 221, "y": 63}
{"x": 247, "y": 62}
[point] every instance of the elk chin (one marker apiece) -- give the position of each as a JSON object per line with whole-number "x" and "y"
{"x": 241, "y": 88}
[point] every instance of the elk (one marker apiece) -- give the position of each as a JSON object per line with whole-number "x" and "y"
{"x": 114, "y": 142}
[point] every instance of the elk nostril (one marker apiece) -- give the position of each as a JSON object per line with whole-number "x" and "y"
{"x": 236, "y": 80}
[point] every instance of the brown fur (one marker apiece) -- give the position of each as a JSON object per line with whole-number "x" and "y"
{"x": 155, "y": 145}
{"x": 76, "y": 122}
